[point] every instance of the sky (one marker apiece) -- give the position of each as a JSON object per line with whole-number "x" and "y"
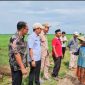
{"x": 69, "y": 16}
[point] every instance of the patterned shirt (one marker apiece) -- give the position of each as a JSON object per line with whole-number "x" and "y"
{"x": 17, "y": 45}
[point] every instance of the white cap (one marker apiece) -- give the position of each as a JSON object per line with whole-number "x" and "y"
{"x": 37, "y": 25}
{"x": 76, "y": 33}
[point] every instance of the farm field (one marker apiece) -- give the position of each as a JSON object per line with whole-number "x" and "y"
{"x": 4, "y": 60}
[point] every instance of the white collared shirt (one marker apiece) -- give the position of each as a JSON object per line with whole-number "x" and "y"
{"x": 34, "y": 43}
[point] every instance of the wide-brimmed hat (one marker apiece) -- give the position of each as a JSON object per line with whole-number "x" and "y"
{"x": 46, "y": 24}
{"x": 37, "y": 25}
{"x": 82, "y": 38}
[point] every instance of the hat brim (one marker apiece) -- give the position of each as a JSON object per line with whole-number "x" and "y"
{"x": 81, "y": 38}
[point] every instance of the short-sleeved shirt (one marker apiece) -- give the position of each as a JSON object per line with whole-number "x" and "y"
{"x": 17, "y": 45}
{"x": 63, "y": 39}
{"x": 35, "y": 44}
{"x": 58, "y": 47}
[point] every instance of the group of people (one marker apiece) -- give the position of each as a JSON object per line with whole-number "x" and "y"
{"x": 35, "y": 52}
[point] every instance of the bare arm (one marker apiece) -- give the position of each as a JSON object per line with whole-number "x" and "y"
{"x": 31, "y": 53}
{"x": 31, "y": 56}
{"x": 55, "y": 51}
{"x": 19, "y": 60}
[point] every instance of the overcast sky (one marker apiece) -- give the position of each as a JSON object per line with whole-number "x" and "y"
{"x": 67, "y": 15}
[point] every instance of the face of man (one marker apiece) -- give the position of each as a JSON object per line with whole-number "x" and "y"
{"x": 46, "y": 30}
{"x": 75, "y": 36}
{"x": 63, "y": 35}
{"x": 58, "y": 34}
{"x": 25, "y": 30}
{"x": 38, "y": 31}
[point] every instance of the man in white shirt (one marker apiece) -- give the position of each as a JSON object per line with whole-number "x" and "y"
{"x": 63, "y": 40}
{"x": 34, "y": 45}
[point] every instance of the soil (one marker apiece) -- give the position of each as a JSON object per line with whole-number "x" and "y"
{"x": 69, "y": 79}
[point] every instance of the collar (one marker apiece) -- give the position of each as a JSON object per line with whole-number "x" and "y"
{"x": 35, "y": 34}
{"x": 43, "y": 32}
{"x": 18, "y": 34}
{"x": 57, "y": 37}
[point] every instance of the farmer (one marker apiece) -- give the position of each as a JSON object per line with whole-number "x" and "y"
{"x": 17, "y": 53}
{"x": 44, "y": 51}
{"x": 81, "y": 60}
{"x": 73, "y": 47}
{"x": 34, "y": 45}
{"x": 56, "y": 53}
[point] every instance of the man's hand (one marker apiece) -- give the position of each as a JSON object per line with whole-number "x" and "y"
{"x": 56, "y": 56}
{"x": 47, "y": 53}
{"x": 33, "y": 63}
{"x": 24, "y": 71}
{"x": 73, "y": 53}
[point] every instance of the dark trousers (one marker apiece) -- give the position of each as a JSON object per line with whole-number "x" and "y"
{"x": 57, "y": 64}
{"x": 63, "y": 51}
{"x": 16, "y": 77}
{"x": 35, "y": 73}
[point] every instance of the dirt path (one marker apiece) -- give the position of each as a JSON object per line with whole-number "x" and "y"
{"x": 5, "y": 70}
{"x": 69, "y": 79}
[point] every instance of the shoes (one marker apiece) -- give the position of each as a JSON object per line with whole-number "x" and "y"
{"x": 46, "y": 78}
{"x": 56, "y": 78}
{"x": 72, "y": 68}
{"x": 41, "y": 80}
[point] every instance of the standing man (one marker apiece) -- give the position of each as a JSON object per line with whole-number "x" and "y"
{"x": 17, "y": 57}
{"x": 63, "y": 40}
{"x": 73, "y": 47}
{"x": 56, "y": 53}
{"x": 44, "y": 51}
{"x": 34, "y": 45}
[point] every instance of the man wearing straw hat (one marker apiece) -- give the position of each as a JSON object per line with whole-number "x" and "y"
{"x": 44, "y": 51}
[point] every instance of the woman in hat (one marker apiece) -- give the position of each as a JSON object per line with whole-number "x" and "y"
{"x": 81, "y": 61}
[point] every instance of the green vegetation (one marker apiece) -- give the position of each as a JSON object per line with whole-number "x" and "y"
{"x": 4, "y": 40}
